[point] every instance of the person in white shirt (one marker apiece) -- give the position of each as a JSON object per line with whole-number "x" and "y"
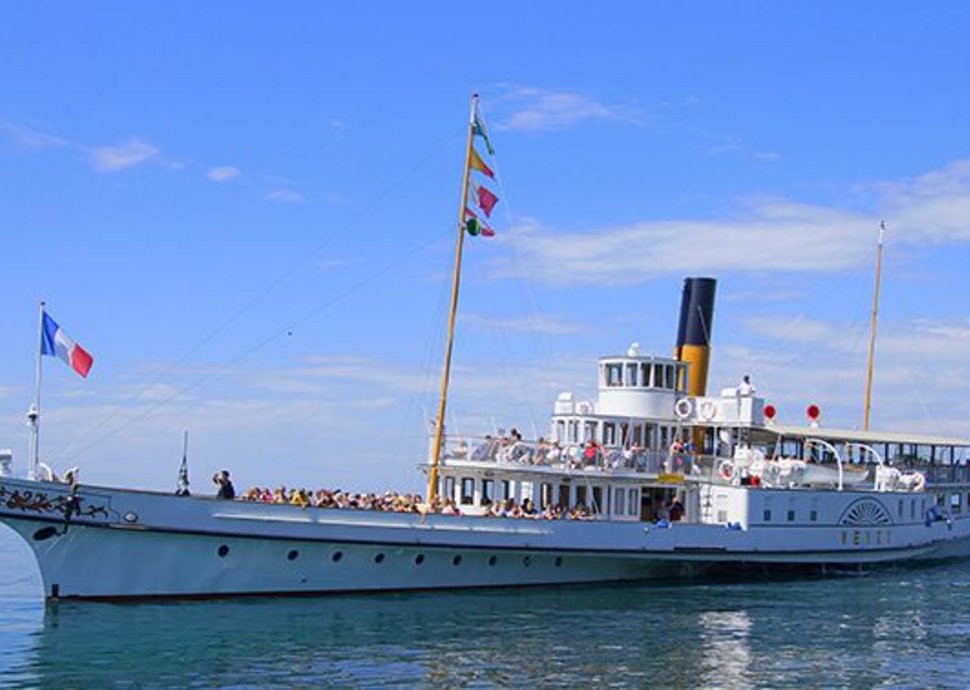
{"x": 746, "y": 388}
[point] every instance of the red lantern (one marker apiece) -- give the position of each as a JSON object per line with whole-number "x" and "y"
{"x": 770, "y": 411}
{"x": 813, "y": 412}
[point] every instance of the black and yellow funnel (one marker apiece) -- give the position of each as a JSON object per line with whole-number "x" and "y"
{"x": 694, "y": 332}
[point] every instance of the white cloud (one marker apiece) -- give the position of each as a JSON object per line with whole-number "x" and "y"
{"x": 536, "y": 109}
{"x": 130, "y": 153}
{"x": 286, "y": 196}
{"x": 31, "y": 138}
{"x": 535, "y": 324}
{"x": 765, "y": 235}
{"x": 222, "y": 173}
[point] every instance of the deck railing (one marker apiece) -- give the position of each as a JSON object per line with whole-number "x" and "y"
{"x": 570, "y": 456}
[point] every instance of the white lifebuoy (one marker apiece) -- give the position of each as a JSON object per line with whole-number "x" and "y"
{"x": 919, "y": 481}
{"x": 708, "y": 410}
{"x": 684, "y": 408}
{"x": 726, "y": 470}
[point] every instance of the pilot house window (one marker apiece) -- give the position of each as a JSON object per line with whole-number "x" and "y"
{"x": 614, "y": 374}
{"x": 631, "y": 374}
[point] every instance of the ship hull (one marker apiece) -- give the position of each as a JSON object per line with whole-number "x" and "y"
{"x": 114, "y": 544}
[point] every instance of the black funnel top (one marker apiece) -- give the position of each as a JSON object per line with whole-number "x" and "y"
{"x": 696, "y": 312}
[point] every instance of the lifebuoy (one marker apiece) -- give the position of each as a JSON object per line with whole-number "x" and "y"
{"x": 919, "y": 482}
{"x": 683, "y": 408}
{"x": 726, "y": 470}
{"x": 708, "y": 410}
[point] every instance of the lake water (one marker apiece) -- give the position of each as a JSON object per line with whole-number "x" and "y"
{"x": 901, "y": 628}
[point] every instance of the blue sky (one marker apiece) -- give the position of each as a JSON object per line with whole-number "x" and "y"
{"x": 246, "y": 213}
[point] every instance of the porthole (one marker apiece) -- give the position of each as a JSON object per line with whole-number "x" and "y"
{"x": 558, "y": 561}
{"x": 223, "y": 551}
{"x": 45, "y": 533}
{"x": 492, "y": 560}
{"x": 379, "y": 558}
{"x": 292, "y": 555}
{"x": 527, "y": 561}
{"x": 456, "y": 560}
{"x": 419, "y": 559}
{"x": 337, "y": 555}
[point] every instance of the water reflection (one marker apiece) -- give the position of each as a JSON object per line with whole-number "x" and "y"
{"x": 726, "y": 652}
{"x": 890, "y": 629}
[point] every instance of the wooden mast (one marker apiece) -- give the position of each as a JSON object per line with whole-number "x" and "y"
{"x": 439, "y": 431}
{"x": 872, "y": 330}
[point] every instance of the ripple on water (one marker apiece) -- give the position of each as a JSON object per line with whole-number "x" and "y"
{"x": 891, "y": 629}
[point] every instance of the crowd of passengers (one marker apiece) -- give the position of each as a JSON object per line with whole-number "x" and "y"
{"x": 394, "y": 502}
{"x": 510, "y": 448}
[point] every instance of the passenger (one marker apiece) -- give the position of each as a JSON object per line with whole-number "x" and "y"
{"x": 482, "y": 451}
{"x": 746, "y": 388}
{"x": 226, "y": 489}
{"x": 300, "y": 498}
{"x": 590, "y": 453}
{"x": 676, "y": 511}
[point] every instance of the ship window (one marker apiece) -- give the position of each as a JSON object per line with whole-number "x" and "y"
{"x": 955, "y": 505}
{"x": 560, "y": 431}
{"x": 545, "y": 495}
{"x": 791, "y": 516}
{"x": 337, "y": 555}
{"x": 379, "y": 558}
{"x": 658, "y": 376}
{"x": 631, "y": 374}
{"x": 526, "y": 561}
{"x": 580, "y": 495}
{"x": 450, "y": 487}
{"x": 669, "y": 383}
{"x": 589, "y": 431}
{"x": 620, "y": 502}
{"x": 767, "y": 515}
{"x": 467, "y": 490}
{"x": 558, "y": 561}
{"x": 645, "y": 375}
{"x": 598, "y": 499}
{"x": 633, "y": 500}
{"x": 456, "y": 560}
{"x": 506, "y": 490}
{"x": 614, "y": 374}
{"x": 609, "y": 434}
{"x": 492, "y": 560}
{"x": 223, "y": 551}
{"x": 813, "y": 516}
{"x": 912, "y": 509}
{"x": 564, "y": 496}
{"x": 637, "y": 435}
{"x": 292, "y": 555}
{"x": 419, "y": 559}
{"x": 574, "y": 432}
{"x": 900, "y": 507}
{"x": 488, "y": 491}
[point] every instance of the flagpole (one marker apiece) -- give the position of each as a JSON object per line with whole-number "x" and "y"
{"x": 33, "y": 415}
{"x": 446, "y": 372}
{"x": 872, "y": 331}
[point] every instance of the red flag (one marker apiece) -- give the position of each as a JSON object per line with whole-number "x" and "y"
{"x": 486, "y": 200}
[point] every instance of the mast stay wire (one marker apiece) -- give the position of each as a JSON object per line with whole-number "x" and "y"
{"x": 276, "y": 335}
{"x": 262, "y": 294}
{"x": 286, "y": 274}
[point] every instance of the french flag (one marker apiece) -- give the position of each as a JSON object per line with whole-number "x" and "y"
{"x": 56, "y": 343}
